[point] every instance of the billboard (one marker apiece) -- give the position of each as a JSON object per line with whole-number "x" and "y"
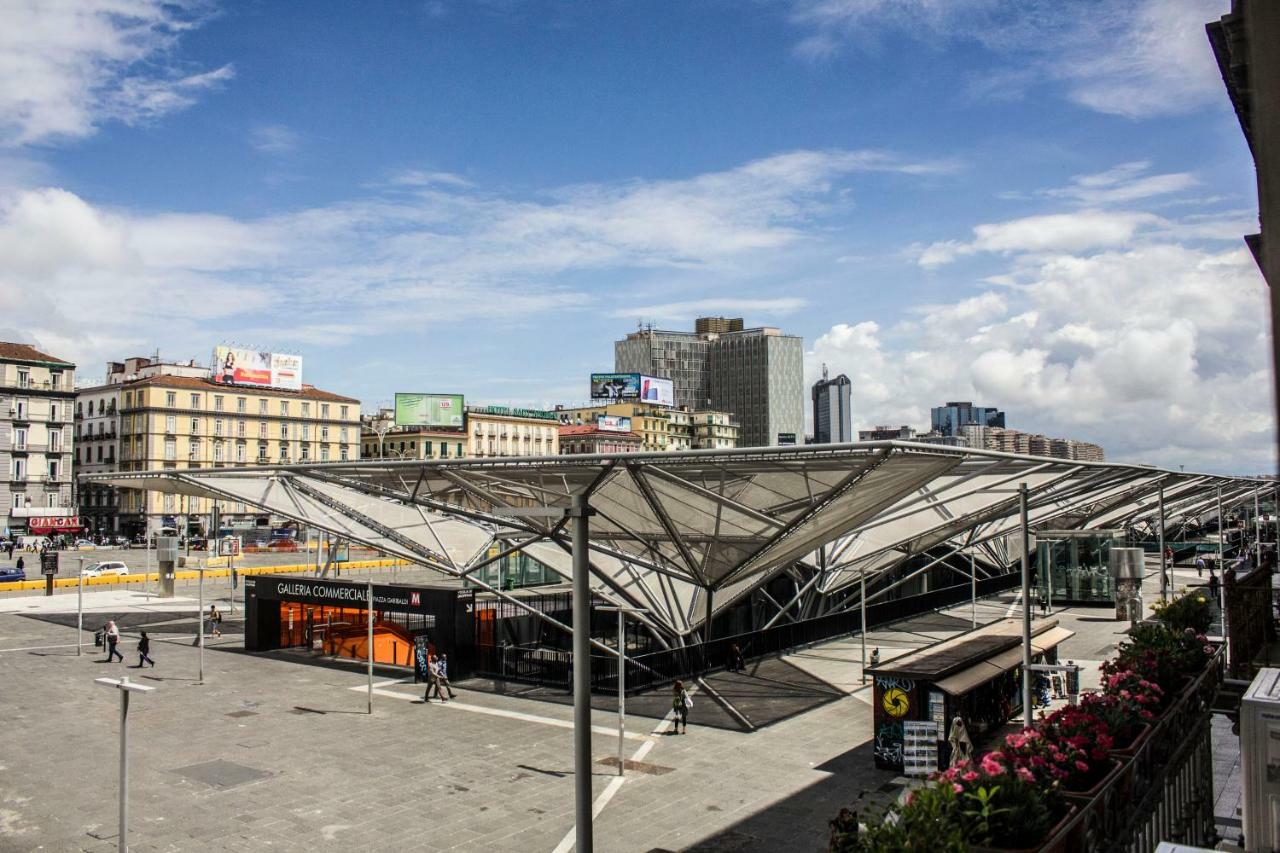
{"x": 660, "y": 392}
{"x": 235, "y": 366}
{"x": 615, "y": 386}
{"x": 430, "y": 410}
{"x": 633, "y": 386}
{"x": 613, "y": 423}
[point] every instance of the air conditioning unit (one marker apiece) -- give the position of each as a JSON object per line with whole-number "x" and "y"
{"x": 1260, "y": 761}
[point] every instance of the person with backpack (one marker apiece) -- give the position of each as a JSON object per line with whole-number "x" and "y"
{"x": 144, "y": 651}
{"x": 681, "y": 704}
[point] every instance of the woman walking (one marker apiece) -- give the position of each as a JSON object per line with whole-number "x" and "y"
{"x": 113, "y": 641}
{"x": 680, "y": 704}
{"x": 144, "y": 651}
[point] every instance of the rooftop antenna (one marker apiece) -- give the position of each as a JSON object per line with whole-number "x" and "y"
{"x": 824, "y": 371}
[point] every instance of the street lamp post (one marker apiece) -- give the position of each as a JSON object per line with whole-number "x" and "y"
{"x": 125, "y": 686}
{"x": 80, "y": 609}
{"x": 1027, "y": 714}
{"x": 200, "y": 624}
{"x": 622, "y": 676}
{"x": 369, "y": 596}
{"x": 862, "y": 609}
{"x": 1164, "y": 577}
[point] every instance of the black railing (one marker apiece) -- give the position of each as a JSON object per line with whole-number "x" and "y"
{"x": 538, "y": 663}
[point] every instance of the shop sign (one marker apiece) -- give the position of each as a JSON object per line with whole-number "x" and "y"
{"x": 308, "y": 591}
{"x": 53, "y": 523}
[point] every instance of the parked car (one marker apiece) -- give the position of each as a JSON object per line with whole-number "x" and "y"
{"x": 10, "y": 574}
{"x": 107, "y": 569}
{"x": 85, "y": 545}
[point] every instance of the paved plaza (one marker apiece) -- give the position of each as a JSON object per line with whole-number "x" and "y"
{"x": 276, "y": 752}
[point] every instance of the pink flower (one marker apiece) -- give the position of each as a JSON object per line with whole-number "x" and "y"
{"x": 957, "y": 788}
{"x": 991, "y": 767}
{"x": 971, "y": 776}
{"x": 1082, "y": 767}
{"x": 1026, "y": 775}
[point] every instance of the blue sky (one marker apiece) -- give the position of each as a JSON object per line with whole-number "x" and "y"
{"x": 1034, "y": 205}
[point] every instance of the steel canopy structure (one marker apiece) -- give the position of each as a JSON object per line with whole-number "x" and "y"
{"x": 684, "y": 535}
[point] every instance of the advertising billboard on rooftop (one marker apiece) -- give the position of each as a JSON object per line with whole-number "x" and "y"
{"x": 236, "y": 366}
{"x": 633, "y": 386}
{"x": 613, "y": 423}
{"x": 440, "y": 411}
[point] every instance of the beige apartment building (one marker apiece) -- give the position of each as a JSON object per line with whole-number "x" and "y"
{"x": 661, "y": 428}
{"x": 36, "y": 441}
{"x": 168, "y": 421}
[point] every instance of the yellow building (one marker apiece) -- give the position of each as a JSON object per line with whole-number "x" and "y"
{"x": 662, "y": 428}
{"x": 191, "y": 422}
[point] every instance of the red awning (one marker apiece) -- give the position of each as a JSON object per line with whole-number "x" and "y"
{"x": 55, "y": 524}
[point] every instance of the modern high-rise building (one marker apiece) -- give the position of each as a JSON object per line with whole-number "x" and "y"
{"x": 832, "y": 418}
{"x": 950, "y": 418}
{"x": 37, "y": 392}
{"x": 756, "y": 374}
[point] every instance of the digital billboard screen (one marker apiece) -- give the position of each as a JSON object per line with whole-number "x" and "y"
{"x": 615, "y": 386}
{"x": 660, "y": 392}
{"x": 236, "y": 366}
{"x": 613, "y": 423}
{"x": 443, "y": 411}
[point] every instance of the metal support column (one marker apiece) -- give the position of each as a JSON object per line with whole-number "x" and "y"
{"x": 1027, "y": 714}
{"x": 80, "y": 609}
{"x": 973, "y": 591}
{"x": 125, "y": 687}
{"x": 1221, "y": 533}
{"x": 862, "y": 620}
{"x": 200, "y": 625}
{"x": 369, "y": 653}
{"x": 1257, "y": 530}
{"x": 580, "y": 512}
{"x": 1164, "y": 575}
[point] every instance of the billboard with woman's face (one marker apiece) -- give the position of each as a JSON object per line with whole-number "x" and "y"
{"x": 235, "y": 366}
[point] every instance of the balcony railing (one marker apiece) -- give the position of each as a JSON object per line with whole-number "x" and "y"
{"x": 29, "y": 447}
{"x": 33, "y": 385}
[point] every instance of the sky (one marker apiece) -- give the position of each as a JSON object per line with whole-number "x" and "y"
{"x": 1034, "y": 205}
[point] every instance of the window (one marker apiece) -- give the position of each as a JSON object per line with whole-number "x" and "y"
{"x": 306, "y": 432}
{"x": 51, "y": 501}
{"x": 20, "y": 439}
{"x": 217, "y": 426}
{"x": 262, "y": 407}
{"x": 217, "y": 402}
{"x": 239, "y": 429}
{"x": 324, "y": 410}
{"x": 193, "y": 452}
{"x": 195, "y": 426}
{"x": 170, "y": 399}
{"x": 53, "y": 469}
{"x": 284, "y": 430}
{"x": 55, "y": 441}
{"x": 24, "y": 378}
{"x": 53, "y": 412}
{"x": 128, "y": 399}
{"x": 305, "y": 453}
{"x": 324, "y": 453}
{"x": 284, "y": 408}
{"x": 170, "y": 503}
{"x": 459, "y": 449}
{"x": 195, "y": 401}
{"x": 324, "y": 432}
{"x": 241, "y": 403}
{"x": 342, "y": 436}
{"x": 19, "y": 469}
{"x": 55, "y": 380}
{"x": 262, "y": 451}
{"x": 240, "y": 451}
{"x": 306, "y": 410}
{"x": 262, "y": 429}
{"x": 342, "y": 452}
{"x": 217, "y": 451}
{"x": 86, "y": 453}
{"x": 17, "y": 500}
{"x": 342, "y": 413}
{"x": 20, "y": 406}
{"x": 284, "y": 450}
{"x": 170, "y": 424}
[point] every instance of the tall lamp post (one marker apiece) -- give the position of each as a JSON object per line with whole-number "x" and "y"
{"x": 622, "y": 675}
{"x": 125, "y": 686}
{"x": 1028, "y": 715}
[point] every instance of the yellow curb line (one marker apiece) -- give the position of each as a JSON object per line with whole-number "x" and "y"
{"x": 187, "y": 574}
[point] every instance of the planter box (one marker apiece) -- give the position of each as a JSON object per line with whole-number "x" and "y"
{"x": 1083, "y": 798}
{"x": 1056, "y": 841}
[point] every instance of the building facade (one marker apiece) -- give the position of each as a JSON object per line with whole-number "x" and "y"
{"x": 165, "y": 421}
{"x": 755, "y": 375}
{"x": 832, "y": 417}
{"x": 37, "y": 392}
{"x": 662, "y": 429}
{"x": 1030, "y": 444}
{"x": 948, "y": 419}
{"x": 589, "y": 438}
{"x": 887, "y": 433}
{"x": 488, "y": 431}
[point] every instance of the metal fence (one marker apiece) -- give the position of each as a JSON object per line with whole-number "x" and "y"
{"x": 537, "y": 664}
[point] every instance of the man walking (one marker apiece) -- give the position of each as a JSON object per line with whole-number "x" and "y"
{"x": 1214, "y": 588}
{"x": 144, "y": 651}
{"x": 442, "y": 672}
{"x": 215, "y": 620}
{"x": 1200, "y": 566}
{"x": 113, "y": 641}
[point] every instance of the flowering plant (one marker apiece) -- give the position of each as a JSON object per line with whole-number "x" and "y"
{"x": 1166, "y": 656}
{"x": 1190, "y": 610}
{"x": 1128, "y": 699}
{"x": 1066, "y": 749}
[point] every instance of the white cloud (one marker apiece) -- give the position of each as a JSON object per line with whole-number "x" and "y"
{"x": 1121, "y": 184}
{"x": 678, "y": 311}
{"x": 274, "y": 138}
{"x": 1056, "y": 232}
{"x": 1158, "y": 352}
{"x": 1135, "y": 59}
{"x": 65, "y": 66}
{"x": 432, "y": 252}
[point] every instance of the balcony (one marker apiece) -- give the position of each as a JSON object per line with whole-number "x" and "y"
{"x": 33, "y": 385}
{"x": 29, "y": 447}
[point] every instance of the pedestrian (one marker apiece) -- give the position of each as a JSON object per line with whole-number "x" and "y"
{"x": 1168, "y": 555}
{"x": 113, "y": 641}
{"x": 215, "y": 620}
{"x": 1044, "y": 603}
{"x": 1214, "y": 588}
{"x": 875, "y": 656}
{"x": 681, "y": 704}
{"x": 736, "y": 664}
{"x": 21, "y": 563}
{"x": 1200, "y": 566}
{"x": 442, "y": 672}
{"x": 433, "y": 680}
{"x": 11, "y": 544}
{"x": 144, "y": 651}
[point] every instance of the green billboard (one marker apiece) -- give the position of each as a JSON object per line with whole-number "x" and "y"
{"x": 441, "y": 411}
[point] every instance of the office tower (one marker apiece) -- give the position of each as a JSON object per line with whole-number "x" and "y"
{"x": 950, "y": 418}
{"x": 832, "y": 419}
